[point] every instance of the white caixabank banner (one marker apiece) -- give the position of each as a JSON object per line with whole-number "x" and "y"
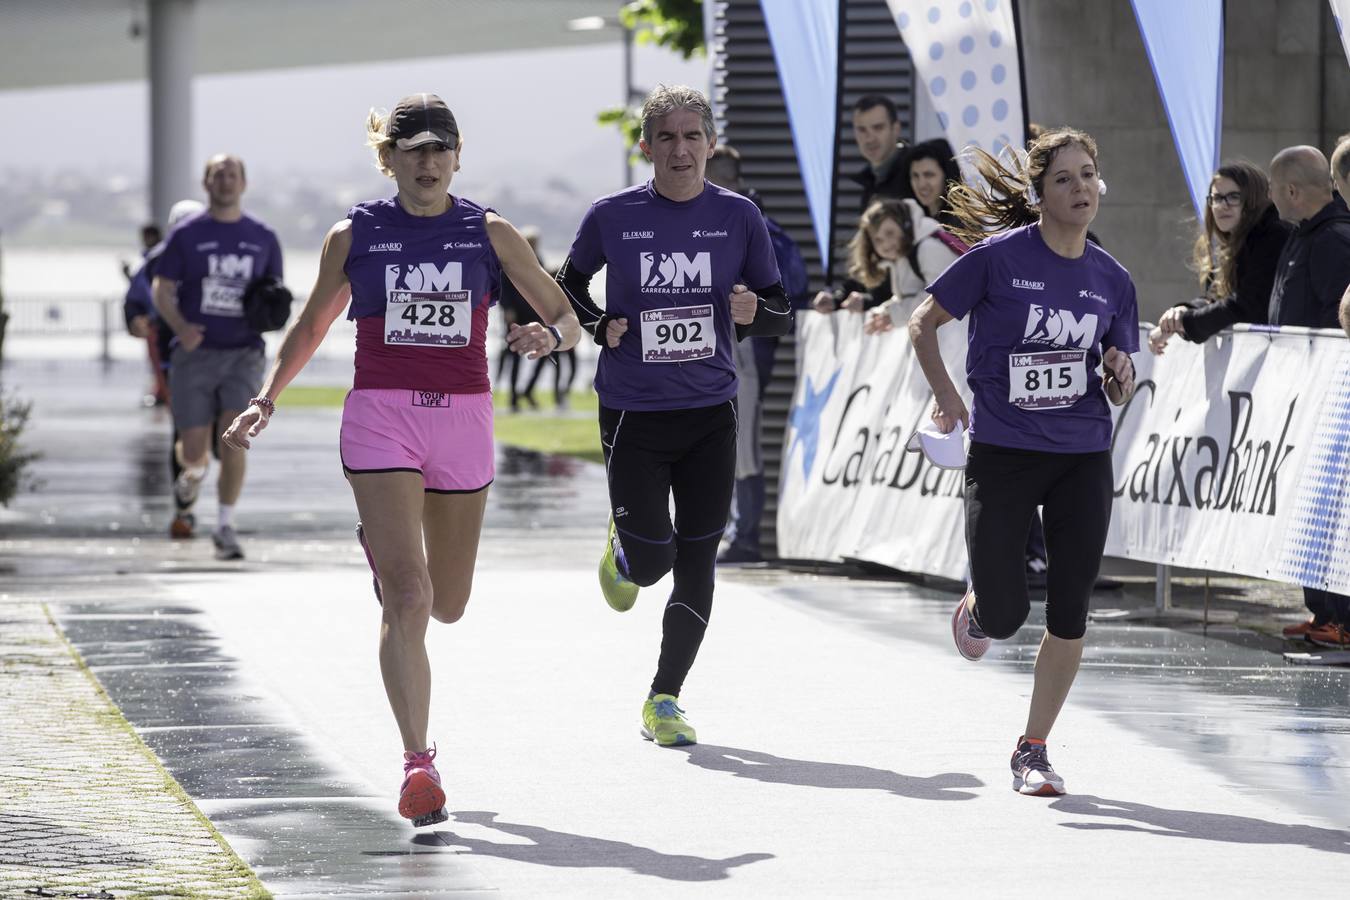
{"x": 849, "y": 488}
{"x": 1233, "y": 456}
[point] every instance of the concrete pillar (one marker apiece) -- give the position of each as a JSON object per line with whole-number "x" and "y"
{"x": 173, "y": 45}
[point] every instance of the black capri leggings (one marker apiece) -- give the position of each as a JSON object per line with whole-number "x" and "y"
{"x": 1003, "y": 488}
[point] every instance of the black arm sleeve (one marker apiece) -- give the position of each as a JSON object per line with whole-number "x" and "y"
{"x": 577, "y": 286}
{"x": 1203, "y": 322}
{"x": 773, "y": 317}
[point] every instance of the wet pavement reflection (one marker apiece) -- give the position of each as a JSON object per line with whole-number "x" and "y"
{"x": 1274, "y": 729}
{"x": 273, "y": 793}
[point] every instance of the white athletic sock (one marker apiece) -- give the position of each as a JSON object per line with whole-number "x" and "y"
{"x": 194, "y": 473}
{"x": 224, "y": 516}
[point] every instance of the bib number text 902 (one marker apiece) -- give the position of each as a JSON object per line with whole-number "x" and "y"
{"x": 680, "y": 333}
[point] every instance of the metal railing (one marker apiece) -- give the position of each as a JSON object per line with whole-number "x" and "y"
{"x": 65, "y": 316}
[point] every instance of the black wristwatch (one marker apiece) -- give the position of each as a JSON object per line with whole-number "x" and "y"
{"x": 557, "y": 335}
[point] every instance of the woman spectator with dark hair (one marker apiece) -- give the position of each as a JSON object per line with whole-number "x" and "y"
{"x": 1236, "y": 254}
{"x": 932, "y": 169}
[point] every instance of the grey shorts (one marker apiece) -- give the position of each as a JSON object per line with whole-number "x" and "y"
{"x": 210, "y": 381}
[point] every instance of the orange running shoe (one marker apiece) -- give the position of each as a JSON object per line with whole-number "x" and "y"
{"x": 1296, "y": 632}
{"x": 421, "y": 799}
{"x": 1330, "y": 635}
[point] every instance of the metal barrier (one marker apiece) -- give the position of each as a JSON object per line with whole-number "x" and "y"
{"x": 65, "y": 316}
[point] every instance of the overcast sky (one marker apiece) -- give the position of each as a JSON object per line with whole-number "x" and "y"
{"x": 527, "y": 112}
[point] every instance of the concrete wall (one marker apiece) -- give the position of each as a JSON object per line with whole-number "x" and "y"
{"x": 1286, "y": 81}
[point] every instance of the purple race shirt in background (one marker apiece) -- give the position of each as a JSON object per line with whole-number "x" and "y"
{"x": 670, "y": 270}
{"x": 213, "y": 262}
{"x": 1039, "y": 324}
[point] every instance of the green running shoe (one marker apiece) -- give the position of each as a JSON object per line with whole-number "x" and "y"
{"x": 664, "y": 722}
{"x": 620, "y": 593}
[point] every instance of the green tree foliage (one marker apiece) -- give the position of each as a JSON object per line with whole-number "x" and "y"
{"x": 676, "y": 25}
{"x": 13, "y": 418}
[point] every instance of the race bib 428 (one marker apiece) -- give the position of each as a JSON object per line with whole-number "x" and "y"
{"x": 678, "y": 334}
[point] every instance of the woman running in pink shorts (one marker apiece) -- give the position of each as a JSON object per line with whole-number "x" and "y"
{"x": 421, "y": 270}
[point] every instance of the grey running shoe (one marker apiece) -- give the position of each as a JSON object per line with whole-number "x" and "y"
{"x": 1031, "y": 770}
{"x": 185, "y": 489}
{"x": 227, "y": 543}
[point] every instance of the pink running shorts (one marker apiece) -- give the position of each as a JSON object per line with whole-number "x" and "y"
{"x": 447, "y": 438}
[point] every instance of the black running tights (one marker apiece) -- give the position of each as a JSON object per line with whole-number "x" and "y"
{"x": 1003, "y": 488}
{"x": 650, "y": 456}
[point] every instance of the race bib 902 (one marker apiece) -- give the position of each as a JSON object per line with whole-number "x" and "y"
{"x": 678, "y": 334}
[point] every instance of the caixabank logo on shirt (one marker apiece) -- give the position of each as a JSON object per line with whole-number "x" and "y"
{"x": 422, "y": 277}
{"x": 1048, "y": 325}
{"x": 675, "y": 273}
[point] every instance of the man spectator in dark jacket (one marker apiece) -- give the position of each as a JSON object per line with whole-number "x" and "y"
{"x": 1315, "y": 265}
{"x": 876, "y": 129}
{"x": 1310, "y": 280}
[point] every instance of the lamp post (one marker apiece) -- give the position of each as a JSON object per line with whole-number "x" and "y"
{"x": 599, "y": 23}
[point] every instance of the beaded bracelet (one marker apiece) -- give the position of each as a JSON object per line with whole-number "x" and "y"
{"x": 265, "y": 404}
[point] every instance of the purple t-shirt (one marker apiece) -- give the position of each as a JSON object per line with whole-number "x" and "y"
{"x": 213, "y": 262}
{"x": 670, "y": 270}
{"x": 1039, "y": 324}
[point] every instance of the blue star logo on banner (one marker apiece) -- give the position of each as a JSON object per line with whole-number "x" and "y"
{"x": 805, "y": 421}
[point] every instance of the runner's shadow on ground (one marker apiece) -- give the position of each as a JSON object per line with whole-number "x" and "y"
{"x": 806, "y": 773}
{"x": 578, "y": 851}
{"x": 1202, "y": 826}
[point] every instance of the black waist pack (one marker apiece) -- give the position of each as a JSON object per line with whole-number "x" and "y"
{"x": 267, "y": 304}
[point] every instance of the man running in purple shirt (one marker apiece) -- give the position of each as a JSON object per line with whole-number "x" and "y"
{"x": 216, "y": 364}
{"x": 689, "y": 271}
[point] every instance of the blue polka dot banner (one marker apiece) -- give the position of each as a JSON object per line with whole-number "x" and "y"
{"x": 965, "y": 56}
{"x": 1234, "y": 456}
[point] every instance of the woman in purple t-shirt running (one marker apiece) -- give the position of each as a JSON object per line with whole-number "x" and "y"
{"x": 1047, "y": 309}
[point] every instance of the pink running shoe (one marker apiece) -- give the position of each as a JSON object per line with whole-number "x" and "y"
{"x": 374, "y": 574}
{"x": 971, "y": 642}
{"x": 421, "y": 798}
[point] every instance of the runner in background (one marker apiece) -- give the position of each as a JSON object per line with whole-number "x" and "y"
{"x": 216, "y": 358}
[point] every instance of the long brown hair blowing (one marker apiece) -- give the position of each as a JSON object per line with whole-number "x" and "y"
{"x": 1003, "y": 202}
{"x": 864, "y": 263}
{"x": 1214, "y": 256}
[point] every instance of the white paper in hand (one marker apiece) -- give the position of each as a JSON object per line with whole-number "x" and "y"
{"x": 946, "y": 451}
